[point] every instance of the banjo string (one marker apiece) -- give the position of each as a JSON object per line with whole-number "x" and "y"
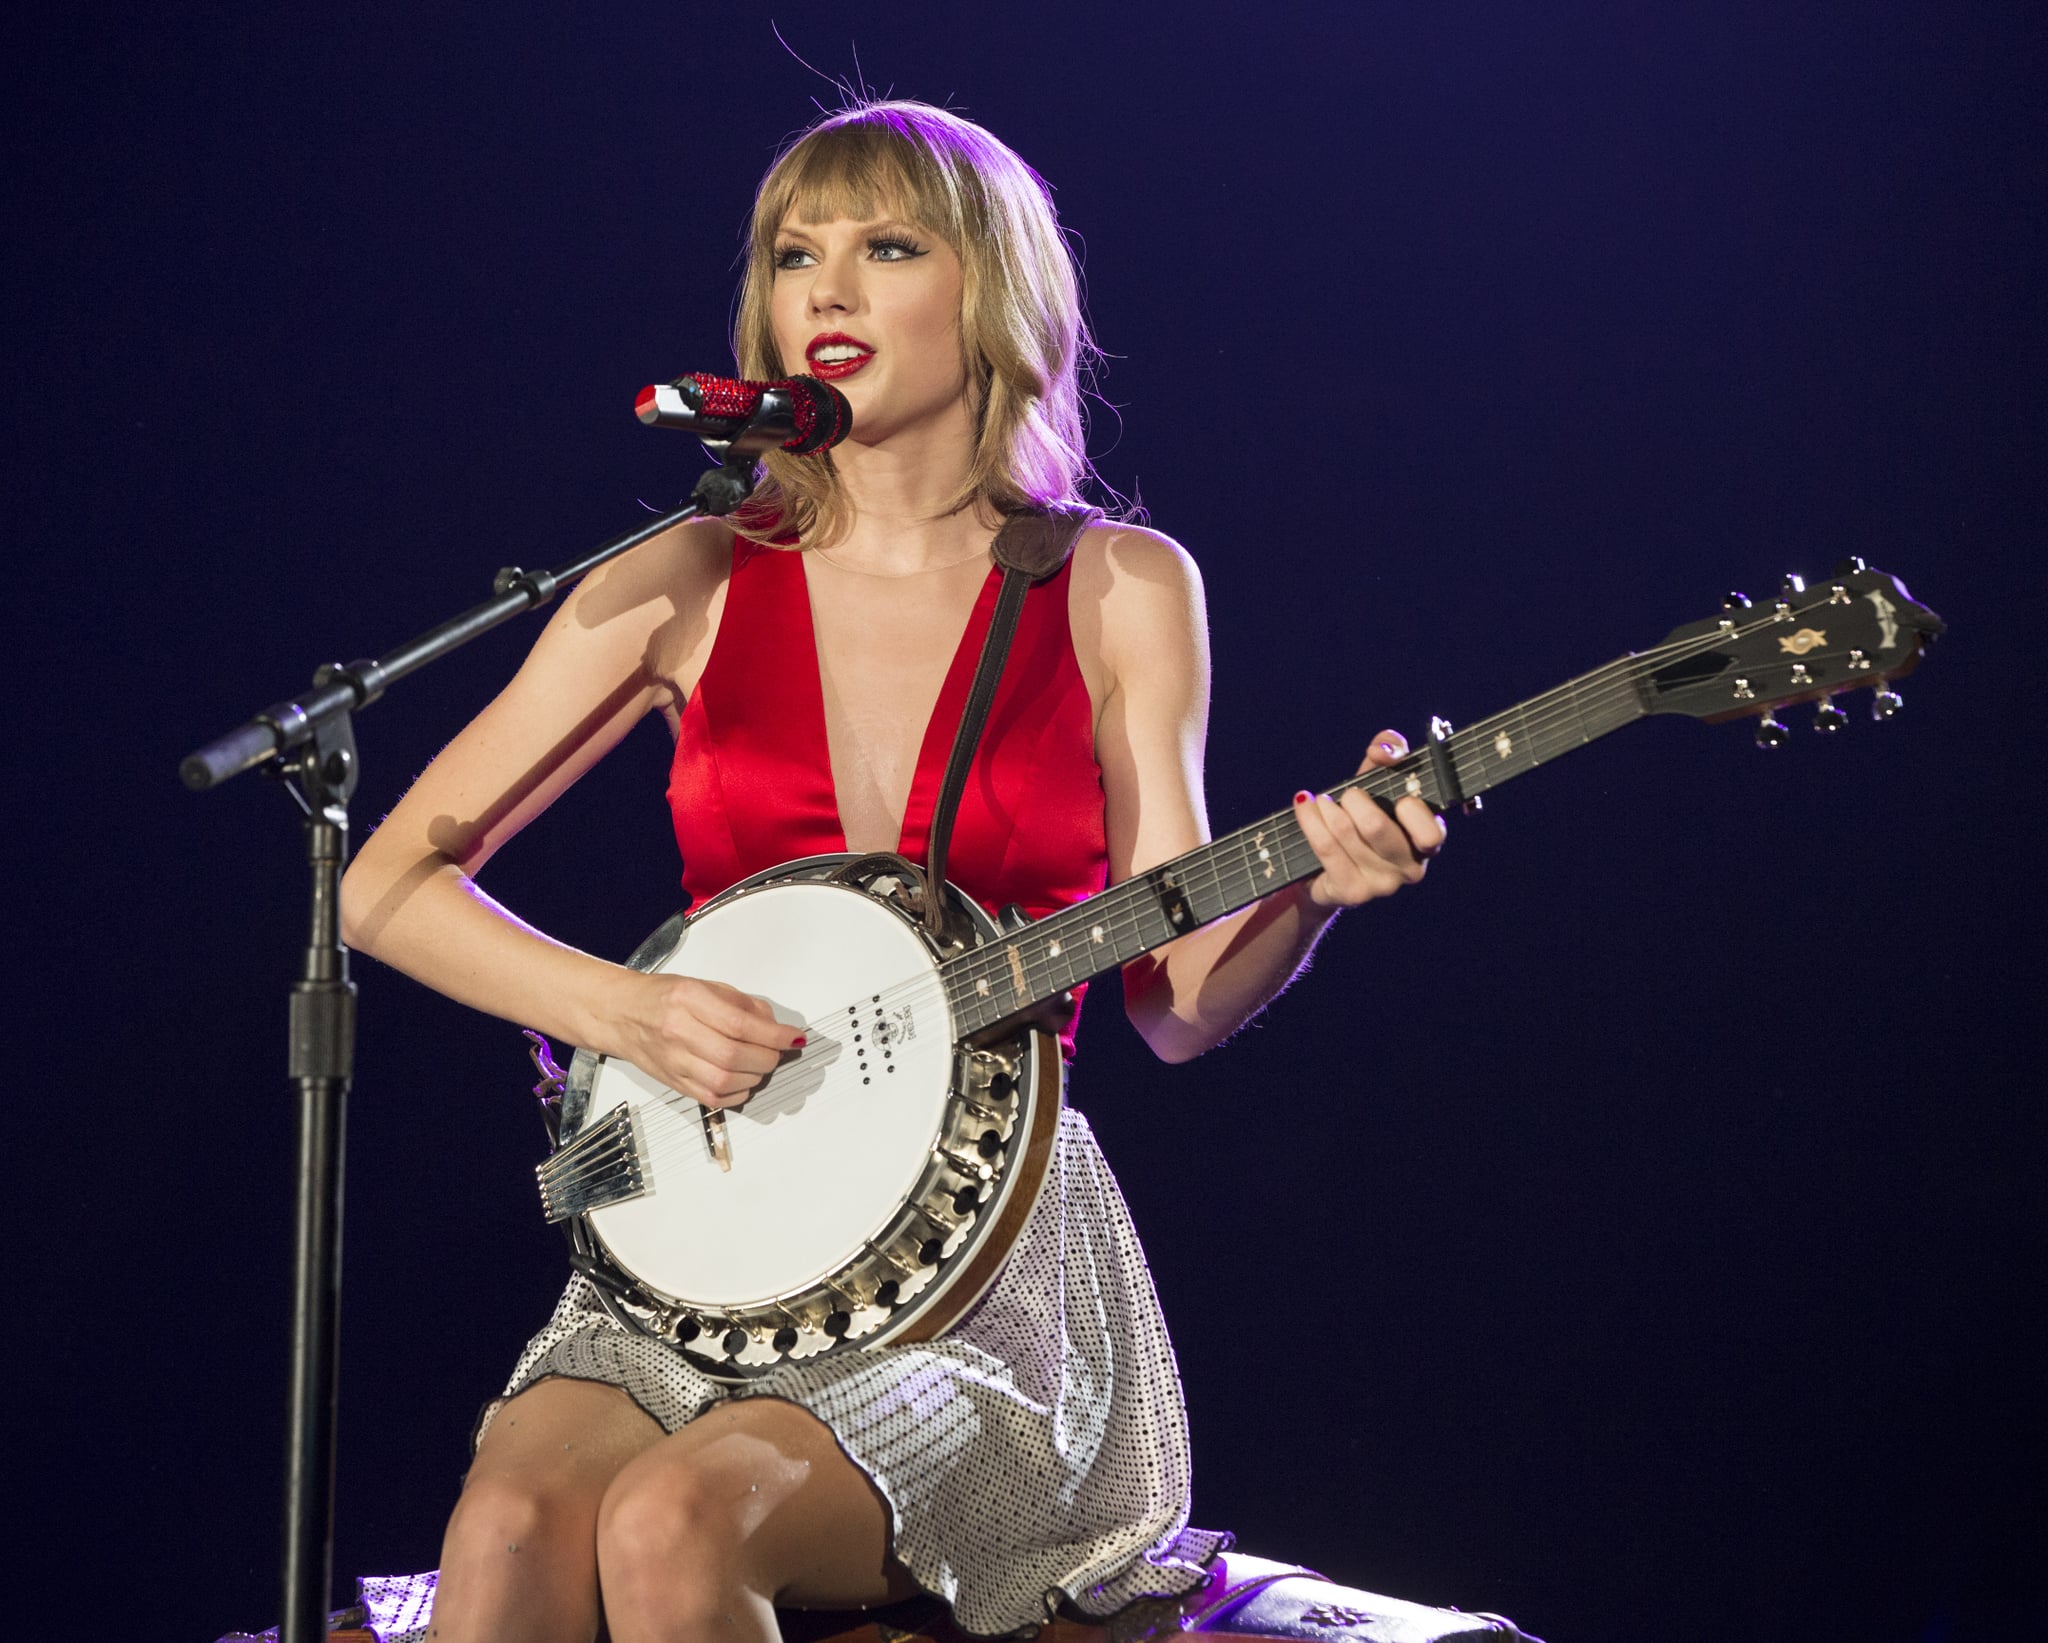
{"x": 1600, "y": 689}
{"x": 1603, "y": 687}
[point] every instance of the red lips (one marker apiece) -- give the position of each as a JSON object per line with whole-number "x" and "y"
{"x": 833, "y": 370}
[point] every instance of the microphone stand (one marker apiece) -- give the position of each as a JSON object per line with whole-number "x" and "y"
{"x": 308, "y": 743}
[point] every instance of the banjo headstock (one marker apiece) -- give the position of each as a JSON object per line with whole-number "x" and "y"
{"x": 1858, "y": 628}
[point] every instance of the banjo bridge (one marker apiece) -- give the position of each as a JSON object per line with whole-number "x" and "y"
{"x": 604, "y": 1165}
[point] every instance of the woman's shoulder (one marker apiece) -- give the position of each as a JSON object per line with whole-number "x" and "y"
{"x": 1137, "y": 599}
{"x": 655, "y": 607}
{"x": 1136, "y": 572}
{"x": 1117, "y": 548}
{"x": 690, "y": 559}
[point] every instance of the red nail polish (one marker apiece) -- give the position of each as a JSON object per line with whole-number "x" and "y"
{"x": 1303, "y": 796}
{"x": 798, "y": 1042}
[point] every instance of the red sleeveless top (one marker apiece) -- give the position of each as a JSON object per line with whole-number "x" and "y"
{"x": 751, "y": 785}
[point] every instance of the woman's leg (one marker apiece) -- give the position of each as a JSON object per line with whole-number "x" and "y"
{"x": 751, "y": 1504}
{"x": 520, "y": 1559}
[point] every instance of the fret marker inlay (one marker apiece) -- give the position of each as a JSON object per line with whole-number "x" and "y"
{"x": 1503, "y": 744}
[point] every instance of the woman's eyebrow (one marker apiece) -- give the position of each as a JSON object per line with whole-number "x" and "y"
{"x": 867, "y": 225}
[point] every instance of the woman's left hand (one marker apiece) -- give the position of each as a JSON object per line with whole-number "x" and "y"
{"x": 1367, "y": 853}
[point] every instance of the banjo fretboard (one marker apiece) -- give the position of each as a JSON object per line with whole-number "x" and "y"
{"x": 1000, "y": 980}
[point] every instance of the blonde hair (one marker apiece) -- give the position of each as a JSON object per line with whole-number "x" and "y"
{"x": 1021, "y": 326}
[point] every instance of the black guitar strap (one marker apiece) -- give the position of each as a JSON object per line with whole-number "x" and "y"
{"x": 1030, "y": 547}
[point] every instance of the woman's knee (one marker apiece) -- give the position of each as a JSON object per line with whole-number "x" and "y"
{"x": 652, "y": 1514}
{"x": 505, "y": 1514}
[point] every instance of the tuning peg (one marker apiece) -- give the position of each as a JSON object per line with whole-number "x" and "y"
{"x": 1850, "y": 566}
{"x": 1792, "y": 584}
{"x": 1735, "y": 601}
{"x": 1885, "y": 703}
{"x": 1770, "y": 732}
{"x": 1828, "y": 718}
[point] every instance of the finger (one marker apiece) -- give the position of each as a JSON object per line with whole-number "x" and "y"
{"x": 1426, "y": 830}
{"x": 739, "y": 1059}
{"x": 1352, "y": 870}
{"x": 1373, "y": 839}
{"x": 1388, "y": 747}
{"x": 710, "y": 1080}
{"x": 710, "y": 1061}
{"x": 746, "y": 1018}
{"x": 1315, "y": 827}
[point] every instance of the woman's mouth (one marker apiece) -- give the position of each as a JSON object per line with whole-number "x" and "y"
{"x": 833, "y": 357}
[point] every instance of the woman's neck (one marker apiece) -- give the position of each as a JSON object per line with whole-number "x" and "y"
{"x": 901, "y": 491}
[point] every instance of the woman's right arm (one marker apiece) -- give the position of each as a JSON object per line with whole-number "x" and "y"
{"x": 631, "y": 638}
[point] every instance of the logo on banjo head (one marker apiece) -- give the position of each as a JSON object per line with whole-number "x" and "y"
{"x": 895, "y": 1027}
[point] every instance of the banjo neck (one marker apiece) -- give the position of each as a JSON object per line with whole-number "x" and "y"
{"x": 1860, "y": 628}
{"x": 991, "y": 984}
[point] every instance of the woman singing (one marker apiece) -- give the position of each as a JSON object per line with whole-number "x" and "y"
{"x": 808, "y": 655}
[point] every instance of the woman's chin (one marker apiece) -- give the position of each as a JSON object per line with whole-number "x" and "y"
{"x": 880, "y": 420}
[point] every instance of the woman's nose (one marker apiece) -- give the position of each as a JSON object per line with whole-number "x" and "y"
{"x": 835, "y": 288}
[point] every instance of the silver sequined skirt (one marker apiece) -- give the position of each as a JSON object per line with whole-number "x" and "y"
{"x": 1037, "y": 1454}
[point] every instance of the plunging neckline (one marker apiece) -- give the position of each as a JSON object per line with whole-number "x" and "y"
{"x": 933, "y": 748}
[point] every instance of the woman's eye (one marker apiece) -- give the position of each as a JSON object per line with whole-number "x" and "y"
{"x": 893, "y": 250}
{"x": 791, "y": 256}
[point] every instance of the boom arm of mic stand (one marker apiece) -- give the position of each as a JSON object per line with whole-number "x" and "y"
{"x": 285, "y": 725}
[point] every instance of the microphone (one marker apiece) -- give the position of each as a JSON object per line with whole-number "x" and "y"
{"x": 800, "y": 414}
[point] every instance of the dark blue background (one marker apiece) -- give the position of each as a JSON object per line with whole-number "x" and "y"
{"x": 1635, "y": 1230}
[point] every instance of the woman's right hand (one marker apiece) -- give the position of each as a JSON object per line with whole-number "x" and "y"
{"x": 703, "y": 1039}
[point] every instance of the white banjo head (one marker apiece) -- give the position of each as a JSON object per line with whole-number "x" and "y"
{"x": 866, "y": 1191}
{"x": 824, "y": 1152}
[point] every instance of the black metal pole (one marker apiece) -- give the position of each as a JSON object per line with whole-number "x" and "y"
{"x": 323, "y": 1011}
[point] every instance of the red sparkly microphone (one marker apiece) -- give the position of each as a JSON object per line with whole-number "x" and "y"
{"x": 800, "y": 414}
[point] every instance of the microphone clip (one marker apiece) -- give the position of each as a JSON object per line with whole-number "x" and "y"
{"x": 721, "y": 489}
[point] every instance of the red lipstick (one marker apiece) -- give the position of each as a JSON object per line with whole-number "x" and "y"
{"x": 852, "y": 352}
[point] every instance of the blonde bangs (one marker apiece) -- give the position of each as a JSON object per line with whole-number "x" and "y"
{"x": 856, "y": 171}
{"x": 1021, "y": 322}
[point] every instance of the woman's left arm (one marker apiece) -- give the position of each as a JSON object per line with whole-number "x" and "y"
{"x": 1142, "y": 597}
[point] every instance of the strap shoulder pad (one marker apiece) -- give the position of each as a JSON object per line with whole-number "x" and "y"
{"x": 1038, "y": 541}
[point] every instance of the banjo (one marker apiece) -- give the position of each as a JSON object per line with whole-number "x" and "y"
{"x": 870, "y": 1187}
